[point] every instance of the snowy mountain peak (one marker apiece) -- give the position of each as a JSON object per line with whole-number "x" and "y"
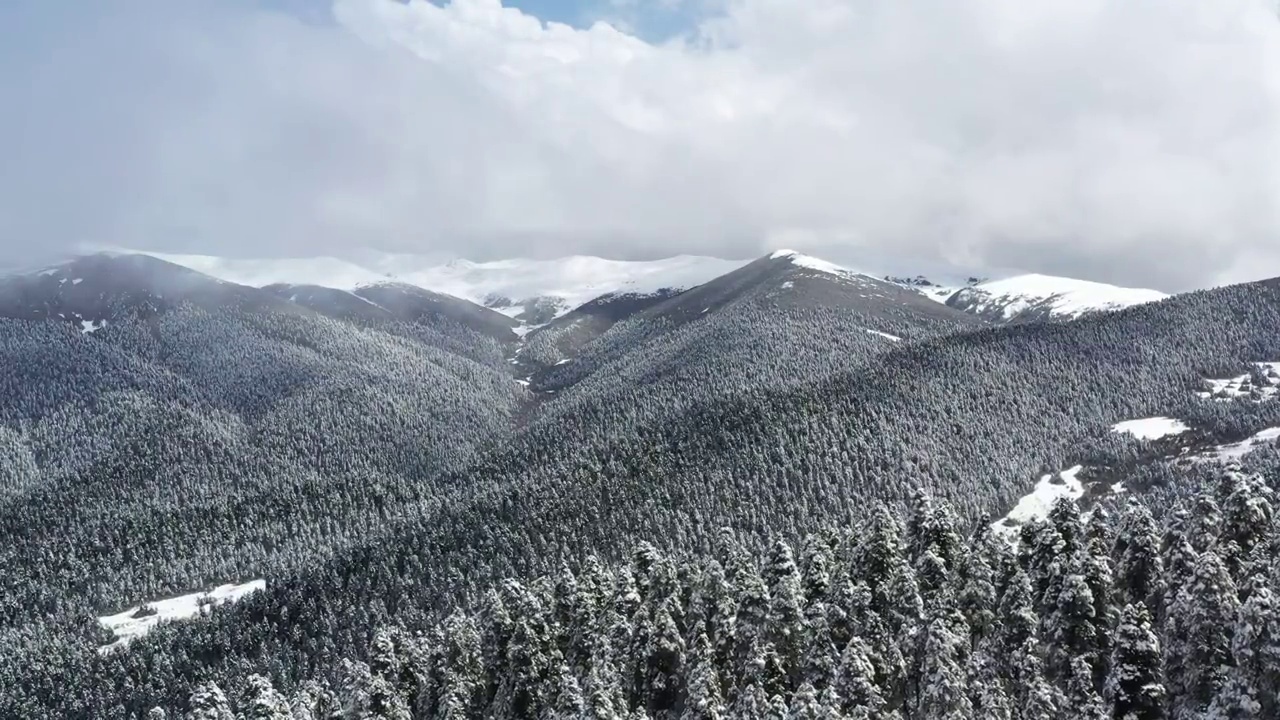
{"x": 812, "y": 263}
{"x": 1046, "y": 296}
{"x": 1034, "y": 296}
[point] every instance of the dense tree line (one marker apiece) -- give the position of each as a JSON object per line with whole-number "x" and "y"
{"x": 1101, "y": 615}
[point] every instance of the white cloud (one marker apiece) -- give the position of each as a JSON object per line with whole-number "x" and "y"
{"x": 1134, "y": 141}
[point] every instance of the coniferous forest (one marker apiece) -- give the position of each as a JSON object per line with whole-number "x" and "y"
{"x": 1090, "y": 616}
{"x": 774, "y": 495}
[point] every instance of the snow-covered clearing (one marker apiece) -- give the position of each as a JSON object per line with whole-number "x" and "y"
{"x": 1240, "y": 386}
{"x": 88, "y": 326}
{"x": 127, "y": 625}
{"x": 1236, "y": 451}
{"x": 1151, "y": 428}
{"x": 1039, "y": 502}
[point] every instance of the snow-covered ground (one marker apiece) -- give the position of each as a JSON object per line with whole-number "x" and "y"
{"x": 1039, "y": 502}
{"x": 1236, "y": 451}
{"x": 88, "y": 326}
{"x": 884, "y": 335}
{"x": 1061, "y": 297}
{"x": 812, "y": 263}
{"x": 1151, "y": 428}
{"x": 1228, "y": 389}
{"x": 127, "y": 625}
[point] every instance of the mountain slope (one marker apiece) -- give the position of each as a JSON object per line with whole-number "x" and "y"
{"x": 771, "y": 323}
{"x": 210, "y": 431}
{"x": 93, "y": 289}
{"x": 389, "y": 301}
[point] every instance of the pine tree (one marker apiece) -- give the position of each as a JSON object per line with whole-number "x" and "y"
{"x": 570, "y": 704}
{"x": 1082, "y": 698}
{"x": 978, "y": 595}
{"x": 1133, "y": 690}
{"x": 1069, "y": 627}
{"x": 1139, "y": 571}
{"x": 1016, "y": 619}
{"x": 604, "y": 695}
{"x": 463, "y": 678}
{"x": 263, "y": 702}
{"x": 1033, "y": 695}
{"x": 1236, "y": 700}
{"x": 1256, "y": 650}
{"x": 751, "y": 704}
{"x": 987, "y": 688}
{"x": 752, "y": 612}
{"x": 354, "y": 688}
{"x": 943, "y": 684}
{"x": 314, "y": 701}
{"x": 705, "y": 700}
{"x": 1200, "y": 648}
{"x": 882, "y": 566}
{"x": 208, "y": 703}
{"x": 662, "y": 660}
{"x": 385, "y": 701}
{"x": 785, "y": 618}
{"x": 855, "y": 681}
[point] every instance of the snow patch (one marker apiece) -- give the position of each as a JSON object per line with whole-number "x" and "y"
{"x": 89, "y": 326}
{"x": 127, "y": 625}
{"x": 1039, "y": 502}
{"x": 1243, "y": 386}
{"x": 1151, "y": 428}
{"x": 77, "y": 281}
{"x": 1236, "y": 451}
{"x": 812, "y": 263}
{"x": 884, "y": 335}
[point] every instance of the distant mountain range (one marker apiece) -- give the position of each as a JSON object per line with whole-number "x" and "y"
{"x": 538, "y": 291}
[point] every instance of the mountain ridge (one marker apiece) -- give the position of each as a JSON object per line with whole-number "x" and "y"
{"x": 536, "y": 292}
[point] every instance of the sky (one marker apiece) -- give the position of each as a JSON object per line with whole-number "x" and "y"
{"x": 1127, "y": 141}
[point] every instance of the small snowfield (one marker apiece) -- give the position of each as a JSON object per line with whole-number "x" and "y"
{"x": 1151, "y": 428}
{"x": 1236, "y": 451}
{"x": 1244, "y": 386}
{"x": 1036, "y": 506}
{"x": 138, "y": 621}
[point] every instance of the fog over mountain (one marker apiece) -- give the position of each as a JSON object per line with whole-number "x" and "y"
{"x": 1133, "y": 143}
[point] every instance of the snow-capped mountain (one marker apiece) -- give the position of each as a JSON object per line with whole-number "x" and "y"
{"x": 534, "y": 291}
{"x": 1038, "y": 297}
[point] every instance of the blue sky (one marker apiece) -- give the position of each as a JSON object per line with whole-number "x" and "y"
{"x": 649, "y": 19}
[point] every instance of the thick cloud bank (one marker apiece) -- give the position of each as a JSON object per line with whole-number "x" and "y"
{"x": 1130, "y": 141}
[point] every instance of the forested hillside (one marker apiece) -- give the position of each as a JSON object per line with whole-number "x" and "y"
{"x": 379, "y": 460}
{"x": 1100, "y": 615}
